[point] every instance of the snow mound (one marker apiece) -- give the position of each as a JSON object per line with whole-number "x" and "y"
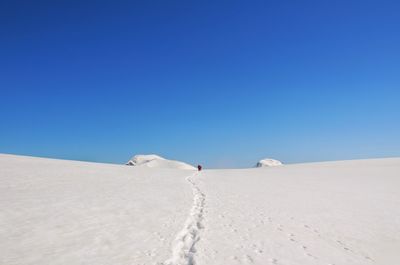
{"x": 268, "y": 162}
{"x": 158, "y": 162}
{"x": 138, "y": 160}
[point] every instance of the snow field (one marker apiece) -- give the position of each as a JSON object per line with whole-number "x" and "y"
{"x": 67, "y": 212}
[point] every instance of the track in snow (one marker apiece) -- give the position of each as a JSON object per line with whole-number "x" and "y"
{"x": 183, "y": 249}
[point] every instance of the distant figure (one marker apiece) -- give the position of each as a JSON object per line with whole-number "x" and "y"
{"x": 199, "y": 167}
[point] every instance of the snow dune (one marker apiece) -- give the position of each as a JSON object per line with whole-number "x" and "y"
{"x": 69, "y": 212}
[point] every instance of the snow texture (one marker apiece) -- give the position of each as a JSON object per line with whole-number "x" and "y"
{"x": 67, "y": 212}
{"x": 158, "y": 162}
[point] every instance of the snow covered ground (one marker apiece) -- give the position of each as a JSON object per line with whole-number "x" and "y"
{"x": 65, "y": 212}
{"x": 322, "y": 213}
{"x": 69, "y": 212}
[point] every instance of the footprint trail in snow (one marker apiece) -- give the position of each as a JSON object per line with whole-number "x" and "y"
{"x": 183, "y": 249}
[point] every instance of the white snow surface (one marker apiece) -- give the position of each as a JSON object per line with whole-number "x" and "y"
{"x": 158, "y": 162}
{"x": 268, "y": 162}
{"x": 69, "y": 212}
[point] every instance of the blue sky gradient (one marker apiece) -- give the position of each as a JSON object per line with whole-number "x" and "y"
{"x": 222, "y": 83}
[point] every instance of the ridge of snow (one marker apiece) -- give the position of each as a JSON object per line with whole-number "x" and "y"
{"x": 156, "y": 161}
{"x": 268, "y": 162}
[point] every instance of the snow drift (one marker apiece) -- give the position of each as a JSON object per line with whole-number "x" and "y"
{"x": 158, "y": 162}
{"x": 268, "y": 162}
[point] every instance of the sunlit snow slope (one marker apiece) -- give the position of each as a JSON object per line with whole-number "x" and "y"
{"x": 68, "y": 212}
{"x": 320, "y": 213}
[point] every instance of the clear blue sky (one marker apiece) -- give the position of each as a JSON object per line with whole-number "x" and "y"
{"x": 222, "y": 83}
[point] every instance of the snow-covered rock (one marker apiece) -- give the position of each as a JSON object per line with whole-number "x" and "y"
{"x": 138, "y": 160}
{"x": 158, "y": 162}
{"x": 268, "y": 162}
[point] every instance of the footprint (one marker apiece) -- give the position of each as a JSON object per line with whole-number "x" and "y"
{"x": 291, "y": 237}
{"x": 310, "y": 255}
{"x": 150, "y": 253}
{"x": 248, "y": 258}
{"x": 274, "y": 261}
{"x": 239, "y": 247}
{"x": 258, "y": 251}
{"x": 343, "y": 245}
